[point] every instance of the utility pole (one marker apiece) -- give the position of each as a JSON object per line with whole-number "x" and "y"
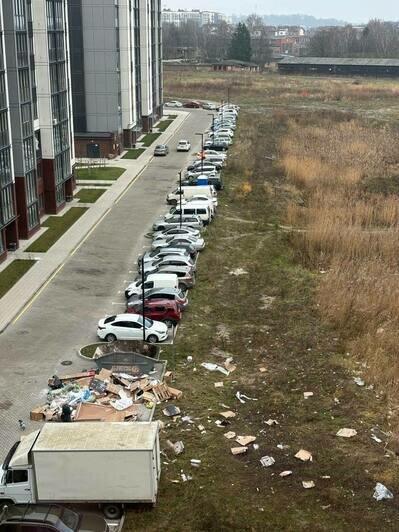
{"x": 228, "y": 95}
{"x": 213, "y": 121}
{"x": 180, "y": 194}
{"x": 142, "y": 294}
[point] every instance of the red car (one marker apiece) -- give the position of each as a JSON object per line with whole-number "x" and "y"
{"x": 165, "y": 310}
{"x": 193, "y": 105}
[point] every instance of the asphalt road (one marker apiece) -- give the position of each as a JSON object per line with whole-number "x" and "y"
{"x": 64, "y": 316}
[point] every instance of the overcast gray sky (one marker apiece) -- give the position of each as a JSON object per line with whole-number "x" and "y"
{"x": 350, "y": 10}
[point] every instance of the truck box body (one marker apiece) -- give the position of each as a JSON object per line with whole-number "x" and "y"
{"x": 93, "y": 462}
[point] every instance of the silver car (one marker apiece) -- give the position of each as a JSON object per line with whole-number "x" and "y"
{"x": 174, "y": 221}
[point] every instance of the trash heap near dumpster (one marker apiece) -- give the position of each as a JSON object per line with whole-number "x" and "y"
{"x": 123, "y": 387}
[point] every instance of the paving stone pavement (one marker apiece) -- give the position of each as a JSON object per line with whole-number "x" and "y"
{"x": 89, "y": 282}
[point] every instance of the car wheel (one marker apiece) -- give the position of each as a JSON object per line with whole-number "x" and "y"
{"x": 169, "y": 323}
{"x": 110, "y": 338}
{"x": 152, "y": 339}
{"x": 112, "y": 511}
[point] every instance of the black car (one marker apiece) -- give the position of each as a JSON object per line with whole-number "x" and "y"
{"x": 49, "y": 517}
{"x": 219, "y": 146}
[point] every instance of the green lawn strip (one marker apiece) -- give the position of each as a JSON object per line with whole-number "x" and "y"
{"x": 133, "y": 153}
{"x": 106, "y": 173}
{"x": 89, "y": 195}
{"x": 164, "y": 124}
{"x": 148, "y": 139}
{"x": 12, "y": 273}
{"x": 171, "y": 117}
{"x": 57, "y": 226}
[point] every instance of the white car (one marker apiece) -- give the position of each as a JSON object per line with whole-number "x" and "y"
{"x": 201, "y": 197}
{"x": 178, "y": 231}
{"x": 130, "y": 327}
{"x": 173, "y": 103}
{"x": 183, "y": 145}
{"x": 207, "y": 153}
{"x": 161, "y": 242}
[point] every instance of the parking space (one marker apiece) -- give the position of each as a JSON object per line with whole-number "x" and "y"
{"x": 64, "y": 316}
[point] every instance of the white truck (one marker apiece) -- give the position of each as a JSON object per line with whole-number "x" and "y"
{"x": 108, "y": 463}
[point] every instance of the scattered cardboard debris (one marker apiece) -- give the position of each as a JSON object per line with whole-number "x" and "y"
{"x": 214, "y": 367}
{"x": 308, "y": 484}
{"x": 346, "y": 433}
{"x": 171, "y": 411}
{"x": 230, "y": 435}
{"x": 271, "y": 422}
{"x": 219, "y": 384}
{"x": 245, "y": 440}
{"x": 263, "y": 369}
{"x": 359, "y": 381}
{"x": 195, "y": 462}
{"x": 303, "y": 455}
{"x": 177, "y": 447}
{"x": 238, "y": 271}
{"x": 228, "y": 414}
{"x": 307, "y": 394}
{"x": 238, "y": 450}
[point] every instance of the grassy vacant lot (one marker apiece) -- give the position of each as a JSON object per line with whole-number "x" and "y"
{"x": 133, "y": 153}
{"x": 89, "y": 195}
{"x": 148, "y": 139}
{"x": 258, "y": 299}
{"x": 164, "y": 124}
{"x": 57, "y": 226}
{"x": 12, "y": 273}
{"x": 107, "y": 173}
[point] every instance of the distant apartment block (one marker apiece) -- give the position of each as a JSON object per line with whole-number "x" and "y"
{"x": 37, "y": 147}
{"x": 199, "y": 17}
{"x": 116, "y": 58}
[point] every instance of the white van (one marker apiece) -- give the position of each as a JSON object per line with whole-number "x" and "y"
{"x": 187, "y": 192}
{"x": 195, "y": 209}
{"x": 154, "y": 280}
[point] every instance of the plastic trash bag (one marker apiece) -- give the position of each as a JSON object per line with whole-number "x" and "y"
{"x": 381, "y": 492}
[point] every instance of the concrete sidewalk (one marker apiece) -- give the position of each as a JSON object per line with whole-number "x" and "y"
{"x": 48, "y": 264}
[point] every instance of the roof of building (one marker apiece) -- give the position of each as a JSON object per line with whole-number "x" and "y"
{"x": 234, "y": 62}
{"x": 349, "y": 61}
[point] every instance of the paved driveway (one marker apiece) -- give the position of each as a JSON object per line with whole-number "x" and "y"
{"x": 64, "y": 316}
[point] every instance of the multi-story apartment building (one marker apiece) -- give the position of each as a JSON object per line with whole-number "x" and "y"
{"x": 177, "y": 17}
{"x": 116, "y": 57}
{"x": 8, "y": 212}
{"x": 37, "y": 77}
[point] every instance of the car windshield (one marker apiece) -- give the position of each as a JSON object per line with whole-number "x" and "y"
{"x": 148, "y": 322}
{"x": 109, "y": 319}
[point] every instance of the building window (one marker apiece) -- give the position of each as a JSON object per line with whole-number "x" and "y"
{"x": 5, "y": 167}
{"x": 29, "y": 154}
{"x": 60, "y": 194}
{"x": 19, "y": 15}
{"x": 7, "y": 204}
{"x": 24, "y": 85}
{"x": 33, "y": 216}
{"x": 4, "y": 138}
{"x": 31, "y": 189}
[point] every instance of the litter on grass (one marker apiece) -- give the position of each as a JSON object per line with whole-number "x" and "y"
{"x": 214, "y": 367}
{"x": 177, "y": 447}
{"x": 267, "y": 461}
{"x": 285, "y": 473}
{"x": 239, "y": 450}
{"x": 271, "y": 422}
{"x": 307, "y": 484}
{"x": 303, "y": 455}
{"x": 346, "y": 433}
{"x": 230, "y": 435}
{"x": 228, "y": 414}
{"x": 238, "y": 271}
{"x": 375, "y": 438}
{"x": 219, "y": 384}
{"x": 359, "y": 381}
{"x": 307, "y": 394}
{"x": 195, "y": 462}
{"x": 381, "y": 492}
{"x": 245, "y": 440}
{"x": 244, "y": 398}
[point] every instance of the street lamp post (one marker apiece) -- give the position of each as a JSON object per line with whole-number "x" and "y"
{"x": 202, "y": 151}
{"x": 213, "y": 121}
{"x": 228, "y": 95}
{"x": 143, "y": 294}
{"x": 180, "y": 194}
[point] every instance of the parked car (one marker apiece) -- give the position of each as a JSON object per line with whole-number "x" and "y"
{"x": 177, "y": 260}
{"x": 185, "y": 276}
{"x": 223, "y": 138}
{"x": 181, "y": 240}
{"x": 154, "y": 280}
{"x": 161, "y": 293}
{"x": 216, "y": 146}
{"x": 173, "y": 198}
{"x": 199, "y": 198}
{"x": 177, "y": 231}
{"x": 193, "y": 104}
{"x": 183, "y": 145}
{"x": 210, "y": 106}
{"x": 201, "y": 210}
{"x": 215, "y": 181}
{"x": 173, "y": 103}
{"x": 49, "y": 517}
{"x": 206, "y": 171}
{"x": 193, "y": 221}
{"x": 209, "y": 153}
{"x": 161, "y": 149}
{"x": 188, "y": 247}
{"x": 203, "y": 165}
{"x": 130, "y": 327}
{"x": 164, "y": 310}
{"x": 154, "y": 254}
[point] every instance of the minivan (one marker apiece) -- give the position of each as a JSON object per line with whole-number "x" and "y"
{"x": 153, "y": 280}
{"x": 203, "y": 211}
{"x": 187, "y": 192}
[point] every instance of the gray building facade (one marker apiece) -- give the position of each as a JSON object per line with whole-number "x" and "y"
{"x": 115, "y": 55}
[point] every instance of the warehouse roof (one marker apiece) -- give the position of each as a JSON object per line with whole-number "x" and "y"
{"x": 344, "y": 61}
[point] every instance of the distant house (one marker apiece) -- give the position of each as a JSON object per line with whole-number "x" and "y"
{"x": 339, "y": 66}
{"x": 231, "y": 65}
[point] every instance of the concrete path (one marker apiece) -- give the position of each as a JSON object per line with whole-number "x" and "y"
{"x": 87, "y": 282}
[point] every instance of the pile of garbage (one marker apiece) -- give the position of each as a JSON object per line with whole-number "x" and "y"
{"x": 104, "y": 395}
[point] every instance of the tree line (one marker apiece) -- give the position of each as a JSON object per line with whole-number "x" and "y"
{"x": 376, "y": 39}
{"x": 247, "y": 41}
